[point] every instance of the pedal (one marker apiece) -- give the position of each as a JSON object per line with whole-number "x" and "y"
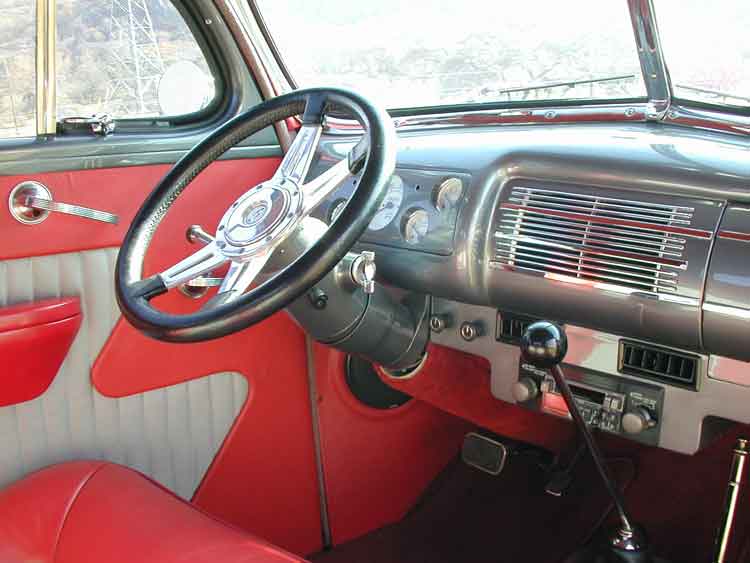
{"x": 484, "y": 453}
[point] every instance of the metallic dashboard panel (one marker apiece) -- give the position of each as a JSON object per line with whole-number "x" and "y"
{"x": 609, "y": 228}
{"x": 684, "y": 412}
{"x": 726, "y": 308}
{"x": 412, "y": 192}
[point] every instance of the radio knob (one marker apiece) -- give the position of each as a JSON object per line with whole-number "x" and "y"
{"x": 637, "y": 420}
{"x": 525, "y": 389}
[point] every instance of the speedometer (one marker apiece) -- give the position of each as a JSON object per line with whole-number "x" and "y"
{"x": 390, "y": 206}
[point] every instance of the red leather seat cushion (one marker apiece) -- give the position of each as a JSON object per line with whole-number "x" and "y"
{"x": 90, "y": 511}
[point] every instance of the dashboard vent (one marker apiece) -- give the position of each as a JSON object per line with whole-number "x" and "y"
{"x": 511, "y": 327}
{"x": 629, "y": 244}
{"x": 663, "y": 365}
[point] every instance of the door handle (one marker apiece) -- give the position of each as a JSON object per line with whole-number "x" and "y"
{"x": 30, "y": 203}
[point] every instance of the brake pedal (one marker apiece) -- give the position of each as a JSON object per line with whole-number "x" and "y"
{"x": 484, "y": 453}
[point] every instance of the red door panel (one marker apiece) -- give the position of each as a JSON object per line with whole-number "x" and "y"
{"x": 34, "y": 340}
{"x": 264, "y": 477}
{"x": 121, "y": 191}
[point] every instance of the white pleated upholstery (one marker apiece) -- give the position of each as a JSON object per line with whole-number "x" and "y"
{"x": 170, "y": 434}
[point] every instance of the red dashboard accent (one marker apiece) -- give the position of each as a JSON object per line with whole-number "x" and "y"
{"x": 34, "y": 340}
{"x": 459, "y": 383}
{"x": 263, "y": 478}
{"x": 90, "y": 511}
{"x": 735, "y": 235}
{"x": 377, "y": 463}
{"x": 120, "y": 191}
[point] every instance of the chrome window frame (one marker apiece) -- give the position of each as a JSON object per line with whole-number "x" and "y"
{"x": 46, "y": 60}
{"x": 660, "y": 105}
{"x": 46, "y": 79}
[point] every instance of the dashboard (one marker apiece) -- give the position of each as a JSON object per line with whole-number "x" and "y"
{"x": 634, "y": 236}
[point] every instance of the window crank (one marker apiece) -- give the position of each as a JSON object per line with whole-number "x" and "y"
{"x": 30, "y": 203}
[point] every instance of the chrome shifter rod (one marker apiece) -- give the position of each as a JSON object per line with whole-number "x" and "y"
{"x": 544, "y": 345}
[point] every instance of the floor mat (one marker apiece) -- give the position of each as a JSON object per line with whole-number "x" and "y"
{"x": 469, "y": 516}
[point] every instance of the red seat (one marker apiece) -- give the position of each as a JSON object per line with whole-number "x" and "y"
{"x": 90, "y": 511}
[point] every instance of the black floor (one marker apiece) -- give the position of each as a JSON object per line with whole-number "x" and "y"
{"x": 469, "y": 516}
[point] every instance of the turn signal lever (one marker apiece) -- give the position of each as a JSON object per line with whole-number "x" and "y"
{"x": 544, "y": 345}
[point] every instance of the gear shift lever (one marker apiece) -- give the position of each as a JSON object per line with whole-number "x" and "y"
{"x": 544, "y": 345}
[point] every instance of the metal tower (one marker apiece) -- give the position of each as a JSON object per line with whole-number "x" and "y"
{"x": 136, "y": 64}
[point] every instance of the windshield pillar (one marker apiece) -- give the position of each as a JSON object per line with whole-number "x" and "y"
{"x": 654, "y": 69}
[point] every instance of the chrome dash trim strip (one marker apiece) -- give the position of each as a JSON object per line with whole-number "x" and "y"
{"x": 587, "y": 218}
{"x": 604, "y": 211}
{"x": 566, "y": 196}
{"x": 572, "y": 280}
{"x": 708, "y": 119}
{"x": 530, "y": 229}
{"x": 599, "y": 230}
{"x": 579, "y": 253}
{"x": 570, "y": 275}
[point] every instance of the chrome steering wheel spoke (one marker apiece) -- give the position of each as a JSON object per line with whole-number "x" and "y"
{"x": 239, "y": 277}
{"x": 296, "y": 162}
{"x": 315, "y": 191}
{"x": 321, "y": 186}
{"x": 204, "y": 260}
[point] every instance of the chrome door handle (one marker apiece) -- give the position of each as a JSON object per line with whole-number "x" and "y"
{"x": 31, "y": 202}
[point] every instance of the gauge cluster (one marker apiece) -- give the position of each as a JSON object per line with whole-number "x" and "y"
{"x": 418, "y": 212}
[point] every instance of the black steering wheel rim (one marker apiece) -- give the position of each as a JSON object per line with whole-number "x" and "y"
{"x": 133, "y": 293}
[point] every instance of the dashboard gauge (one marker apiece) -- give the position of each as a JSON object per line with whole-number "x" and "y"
{"x": 415, "y": 225}
{"x": 446, "y": 194}
{"x": 335, "y": 210}
{"x": 390, "y": 206}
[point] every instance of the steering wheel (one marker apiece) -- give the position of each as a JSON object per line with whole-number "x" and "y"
{"x": 259, "y": 220}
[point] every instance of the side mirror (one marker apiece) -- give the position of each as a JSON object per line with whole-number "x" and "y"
{"x": 184, "y": 88}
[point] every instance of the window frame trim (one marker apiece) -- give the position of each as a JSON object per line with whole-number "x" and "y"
{"x": 46, "y": 78}
{"x": 45, "y": 65}
{"x": 661, "y": 105}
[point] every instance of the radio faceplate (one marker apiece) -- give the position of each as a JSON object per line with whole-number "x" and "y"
{"x": 614, "y": 404}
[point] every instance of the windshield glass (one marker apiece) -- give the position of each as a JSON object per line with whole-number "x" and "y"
{"x": 707, "y": 49}
{"x": 439, "y": 52}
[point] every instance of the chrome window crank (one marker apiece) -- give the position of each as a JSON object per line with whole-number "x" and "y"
{"x": 31, "y": 202}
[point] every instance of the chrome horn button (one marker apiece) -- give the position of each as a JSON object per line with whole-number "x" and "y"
{"x": 259, "y": 219}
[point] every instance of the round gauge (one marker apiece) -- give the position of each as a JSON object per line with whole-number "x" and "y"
{"x": 335, "y": 210}
{"x": 390, "y": 206}
{"x": 447, "y": 193}
{"x": 415, "y": 225}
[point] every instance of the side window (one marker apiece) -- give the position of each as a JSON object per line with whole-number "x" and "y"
{"x": 128, "y": 58}
{"x": 17, "y": 69}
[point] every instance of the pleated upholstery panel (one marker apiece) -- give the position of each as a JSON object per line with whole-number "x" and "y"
{"x": 170, "y": 434}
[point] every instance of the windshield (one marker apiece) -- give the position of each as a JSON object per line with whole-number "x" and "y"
{"x": 707, "y": 50}
{"x": 439, "y": 52}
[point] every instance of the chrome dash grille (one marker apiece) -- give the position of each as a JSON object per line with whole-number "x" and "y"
{"x": 629, "y": 244}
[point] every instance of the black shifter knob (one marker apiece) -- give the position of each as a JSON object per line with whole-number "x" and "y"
{"x": 544, "y": 344}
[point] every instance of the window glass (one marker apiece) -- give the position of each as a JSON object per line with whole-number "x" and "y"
{"x": 128, "y": 58}
{"x": 17, "y": 69}
{"x": 433, "y": 52}
{"x": 707, "y": 49}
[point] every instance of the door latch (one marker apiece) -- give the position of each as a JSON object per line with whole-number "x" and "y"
{"x": 100, "y": 124}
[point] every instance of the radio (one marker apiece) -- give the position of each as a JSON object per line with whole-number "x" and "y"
{"x": 613, "y": 404}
